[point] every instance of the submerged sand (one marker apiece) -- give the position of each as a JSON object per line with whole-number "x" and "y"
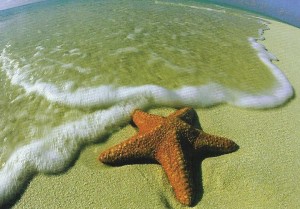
{"x": 263, "y": 173}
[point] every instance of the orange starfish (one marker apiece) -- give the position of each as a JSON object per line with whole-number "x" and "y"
{"x": 172, "y": 142}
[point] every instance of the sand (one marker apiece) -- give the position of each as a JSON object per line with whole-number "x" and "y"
{"x": 263, "y": 173}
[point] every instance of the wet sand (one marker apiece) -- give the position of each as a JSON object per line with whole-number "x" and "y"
{"x": 263, "y": 173}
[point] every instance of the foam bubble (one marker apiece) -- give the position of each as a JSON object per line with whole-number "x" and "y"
{"x": 54, "y": 152}
{"x": 126, "y": 50}
{"x": 108, "y": 95}
{"x": 221, "y": 10}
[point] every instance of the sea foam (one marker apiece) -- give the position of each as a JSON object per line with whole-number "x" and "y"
{"x": 197, "y": 96}
{"x": 54, "y": 152}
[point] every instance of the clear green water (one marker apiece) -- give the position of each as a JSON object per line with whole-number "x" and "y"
{"x": 137, "y": 43}
{"x": 77, "y": 44}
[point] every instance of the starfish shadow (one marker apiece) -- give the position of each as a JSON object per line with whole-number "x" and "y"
{"x": 196, "y": 171}
{"x": 197, "y": 177}
{"x": 198, "y": 182}
{"x": 175, "y": 142}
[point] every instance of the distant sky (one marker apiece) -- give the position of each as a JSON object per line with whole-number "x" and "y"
{"x": 6, "y": 4}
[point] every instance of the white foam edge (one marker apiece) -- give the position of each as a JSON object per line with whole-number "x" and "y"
{"x": 54, "y": 153}
{"x": 196, "y": 96}
{"x": 191, "y": 6}
{"x": 280, "y": 93}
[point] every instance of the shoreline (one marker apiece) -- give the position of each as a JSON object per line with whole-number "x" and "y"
{"x": 36, "y": 160}
{"x": 259, "y": 175}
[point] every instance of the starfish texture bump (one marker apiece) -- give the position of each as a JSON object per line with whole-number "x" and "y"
{"x": 172, "y": 142}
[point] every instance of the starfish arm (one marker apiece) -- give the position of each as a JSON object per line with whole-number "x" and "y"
{"x": 145, "y": 121}
{"x": 188, "y": 115}
{"x": 171, "y": 141}
{"x": 135, "y": 149}
{"x": 175, "y": 164}
{"x": 214, "y": 143}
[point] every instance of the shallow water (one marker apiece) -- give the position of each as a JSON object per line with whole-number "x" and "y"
{"x": 63, "y": 61}
{"x": 136, "y": 43}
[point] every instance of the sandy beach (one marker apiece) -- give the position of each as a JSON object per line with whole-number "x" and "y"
{"x": 263, "y": 173}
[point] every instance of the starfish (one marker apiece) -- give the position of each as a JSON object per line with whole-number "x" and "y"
{"x": 172, "y": 142}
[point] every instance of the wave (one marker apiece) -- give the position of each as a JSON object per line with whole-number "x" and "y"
{"x": 190, "y": 6}
{"x": 54, "y": 153}
{"x": 197, "y": 96}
